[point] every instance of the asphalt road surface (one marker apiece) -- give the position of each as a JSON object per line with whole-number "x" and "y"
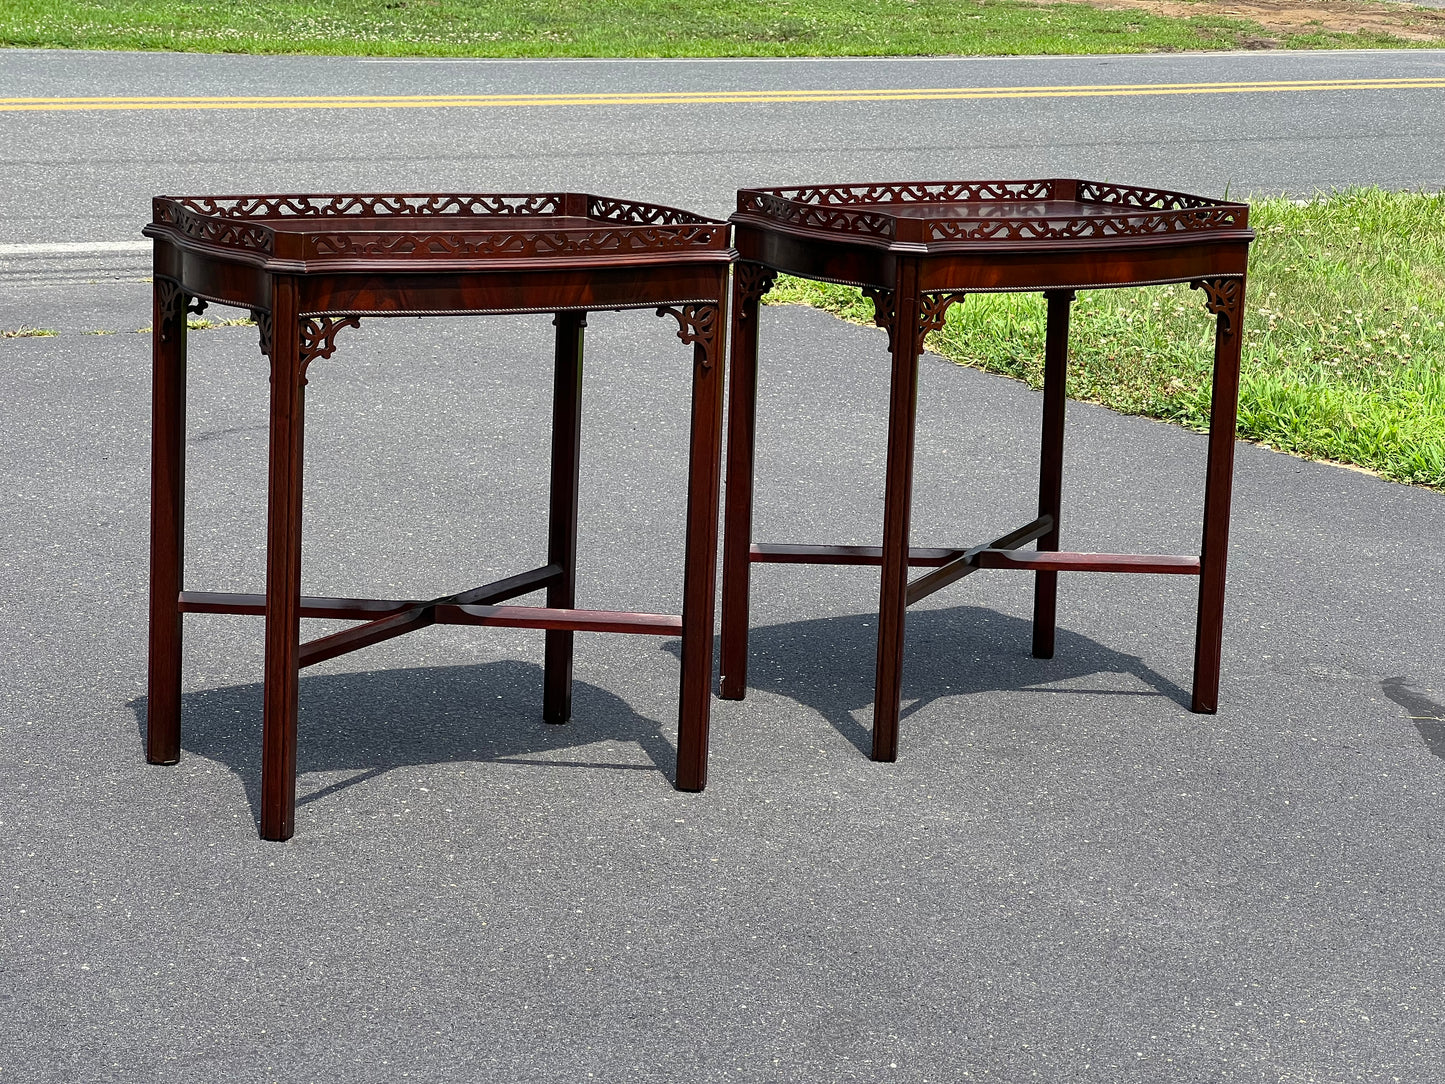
{"x": 83, "y": 176}
{"x": 1066, "y": 876}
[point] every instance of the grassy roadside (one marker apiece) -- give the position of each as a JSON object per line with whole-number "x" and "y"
{"x": 1344, "y": 354}
{"x": 633, "y": 28}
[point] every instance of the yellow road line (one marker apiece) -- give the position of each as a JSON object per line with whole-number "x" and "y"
{"x": 738, "y": 97}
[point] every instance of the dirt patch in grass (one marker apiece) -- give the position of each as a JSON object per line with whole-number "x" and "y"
{"x": 1288, "y": 19}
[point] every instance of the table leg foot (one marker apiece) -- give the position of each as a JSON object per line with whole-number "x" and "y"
{"x": 168, "y": 514}
{"x": 750, "y": 283}
{"x": 562, "y": 512}
{"x": 900, "y": 314}
{"x": 1051, "y": 465}
{"x": 1224, "y": 298}
{"x": 557, "y": 677}
{"x": 701, "y": 325}
{"x": 289, "y": 359}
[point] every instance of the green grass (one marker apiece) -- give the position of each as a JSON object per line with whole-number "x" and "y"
{"x": 645, "y": 28}
{"x": 194, "y": 323}
{"x": 1344, "y": 353}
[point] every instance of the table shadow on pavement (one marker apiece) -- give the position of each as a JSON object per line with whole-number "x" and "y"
{"x": 827, "y": 663}
{"x": 1428, "y": 716}
{"x": 369, "y": 722}
{"x": 372, "y": 721}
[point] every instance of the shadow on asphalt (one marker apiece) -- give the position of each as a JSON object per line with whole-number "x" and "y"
{"x": 370, "y": 722}
{"x": 827, "y": 664}
{"x": 1428, "y": 716}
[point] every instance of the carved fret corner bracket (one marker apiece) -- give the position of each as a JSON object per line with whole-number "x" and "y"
{"x": 884, "y": 313}
{"x": 175, "y": 304}
{"x": 171, "y": 306}
{"x": 696, "y": 323}
{"x": 263, "y": 326}
{"x": 1224, "y": 297}
{"x": 932, "y": 310}
{"x": 318, "y": 338}
{"x": 750, "y": 282}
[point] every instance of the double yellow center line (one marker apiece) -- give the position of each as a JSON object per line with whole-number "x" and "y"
{"x": 711, "y": 97}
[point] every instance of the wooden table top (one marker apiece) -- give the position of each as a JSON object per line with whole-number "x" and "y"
{"x": 929, "y": 216}
{"x": 435, "y": 232}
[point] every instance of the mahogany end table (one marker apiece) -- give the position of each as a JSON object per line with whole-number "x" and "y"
{"x": 916, "y": 249}
{"x": 310, "y": 266}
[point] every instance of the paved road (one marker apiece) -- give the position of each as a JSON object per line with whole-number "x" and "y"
{"x": 1066, "y": 877}
{"x": 87, "y": 176}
